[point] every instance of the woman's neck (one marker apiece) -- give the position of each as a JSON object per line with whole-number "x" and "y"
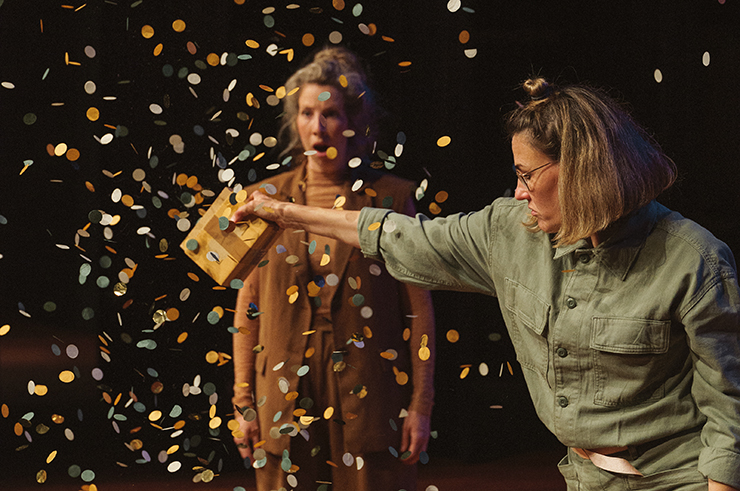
{"x": 319, "y": 172}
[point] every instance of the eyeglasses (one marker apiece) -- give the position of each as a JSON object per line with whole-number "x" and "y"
{"x": 527, "y": 176}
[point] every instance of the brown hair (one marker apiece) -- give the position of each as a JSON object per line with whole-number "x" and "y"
{"x": 609, "y": 165}
{"x": 340, "y": 68}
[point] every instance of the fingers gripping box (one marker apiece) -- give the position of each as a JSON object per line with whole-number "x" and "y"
{"x": 226, "y": 250}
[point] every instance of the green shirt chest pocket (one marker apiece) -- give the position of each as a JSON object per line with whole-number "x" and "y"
{"x": 627, "y": 360}
{"x": 527, "y": 319}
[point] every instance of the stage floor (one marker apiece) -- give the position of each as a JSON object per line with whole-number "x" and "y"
{"x": 527, "y": 472}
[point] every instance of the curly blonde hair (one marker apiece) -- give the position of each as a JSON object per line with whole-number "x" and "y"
{"x": 609, "y": 165}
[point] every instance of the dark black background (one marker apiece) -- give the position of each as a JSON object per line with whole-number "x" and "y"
{"x": 693, "y": 113}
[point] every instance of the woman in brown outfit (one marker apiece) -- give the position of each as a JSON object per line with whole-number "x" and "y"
{"x": 334, "y": 375}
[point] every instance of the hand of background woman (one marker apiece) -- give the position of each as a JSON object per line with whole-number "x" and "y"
{"x": 251, "y": 431}
{"x": 415, "y": 437}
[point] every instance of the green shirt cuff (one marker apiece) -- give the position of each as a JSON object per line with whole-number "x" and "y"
{"x": 369, "y": 228}
{"x": 720, "y": 465}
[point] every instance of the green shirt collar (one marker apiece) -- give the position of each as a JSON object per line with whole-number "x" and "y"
{"x": 627, "y": 237}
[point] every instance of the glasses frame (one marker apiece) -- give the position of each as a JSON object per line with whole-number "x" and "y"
{"x": 525, "y": 177}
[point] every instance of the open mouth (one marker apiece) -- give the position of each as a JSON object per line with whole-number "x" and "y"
{"x": 321, "y": 148}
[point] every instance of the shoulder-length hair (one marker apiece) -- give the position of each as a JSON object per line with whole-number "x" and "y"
{"x": 608, "y": 165}
{"x": 340, "y": 68}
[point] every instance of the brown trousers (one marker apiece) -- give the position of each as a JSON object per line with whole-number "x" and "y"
{"x": 321, "y": 459}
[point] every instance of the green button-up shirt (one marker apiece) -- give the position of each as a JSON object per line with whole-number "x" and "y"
{"x": 626, "y": 343}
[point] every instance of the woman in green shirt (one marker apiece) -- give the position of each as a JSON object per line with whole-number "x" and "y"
{"x": 625, "y": 316}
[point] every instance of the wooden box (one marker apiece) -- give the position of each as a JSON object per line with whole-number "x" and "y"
{"x": 224, "y": 250}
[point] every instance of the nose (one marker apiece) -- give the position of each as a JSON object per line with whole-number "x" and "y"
{"x": 521, "y": 192}
{"x": 319, "y": 124}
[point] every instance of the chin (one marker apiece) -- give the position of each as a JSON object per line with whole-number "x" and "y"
{"x": 548, "y": 227}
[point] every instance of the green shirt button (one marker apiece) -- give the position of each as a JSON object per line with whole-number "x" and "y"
{"x": 585, "y": 258}
{"x": 562, "y": 352}
{"x": 571, "y": 303}
{"x": 563, "y": 401}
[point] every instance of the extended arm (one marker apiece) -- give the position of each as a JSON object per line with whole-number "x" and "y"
{"x": 337, "y": 224}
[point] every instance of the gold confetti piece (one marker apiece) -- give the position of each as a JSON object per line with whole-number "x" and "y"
{"x": 289, "y": 54}
{"x": 511, "y": 370}
{"x": 51, "y": 457}
{"x": 329, "y": 412}
{"x": 443, "y": 141}
{"x": 339, "y": 202}
{"x": 175, "y": 448}
{"x": 325, "y": 259}
{"x": 367, "y": 332}
{"x": 402, "y": 378}
{"x": 93, "y": 114}
{"x": 211, "y": 357}
{"x": 308, "y": 39}
{"x": 441, "y": 196}
{"x": 158, "y": 49}
{"x": 41, "y": 390}
{"x": 435, "y": 209}
{"x": 424, "y": 340}
{"x": 464, "y": 37}
{"x": 4, "y": 329}
{"x": 252, "y": 43}
{"x": 374, "y": 226}
{"x": 178, "y": 25}
{"x": 73, "y": 154}
{"x": 464, "y": 372}
{"x": 193, "y": 276}
{"x": 453, "y": 336}
{"x": 5, "y": 410}
{"x": 147, "y": 31}
{"x": 155, "y": 415}
{"x": 338, "y": 4}
{"x": 41, "y": 476}
{"x": 182, "y": 337}
{"x": 179, "y": 425}
{"x": 404, "y": 63}
{"x": 67, "y": 376}
{"x": 424, "y": 353}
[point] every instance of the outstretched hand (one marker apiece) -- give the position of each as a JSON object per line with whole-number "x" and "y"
{"x": 261, "y": 205}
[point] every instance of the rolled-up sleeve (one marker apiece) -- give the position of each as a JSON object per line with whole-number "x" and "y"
{"x": 451, "y": 253}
